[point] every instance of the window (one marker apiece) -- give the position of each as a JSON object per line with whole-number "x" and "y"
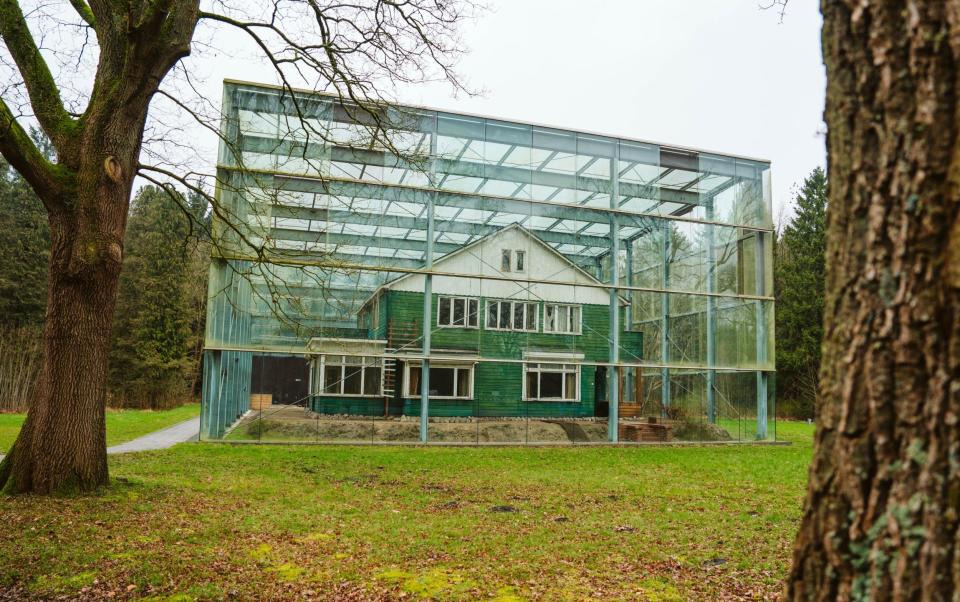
{"x": 521, "y": 260}
{"x": 505, "y": 260}
{"x": 351, "y": 375}
{"x": 512, "y": 315}
{"x": 561, "y": 319}
{"x": 551, "y": 382}
{"x": 458, "y": 312}
{"x": 451, "y": 382}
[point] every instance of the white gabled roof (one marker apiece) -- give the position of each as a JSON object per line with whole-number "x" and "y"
{"x": 483, "y": 258}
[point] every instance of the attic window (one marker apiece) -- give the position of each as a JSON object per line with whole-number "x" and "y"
{"x": 505, "y": 261}
{"x": 521, "y": 261}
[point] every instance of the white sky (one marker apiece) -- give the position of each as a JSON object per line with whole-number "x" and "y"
{"x": 719, "y": 75}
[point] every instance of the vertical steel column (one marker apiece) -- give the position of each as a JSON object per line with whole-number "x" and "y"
{"x": 632, "y": 373}
{"x": 613, "y": 427}
{"x": 761, "y": 340}
{"x": 428, "y": 296}
{"x": 628, "y": 266}
{"x": 711, "y": 317}
{"x": 308, "y": 402}
{"x": 665, "y": 317}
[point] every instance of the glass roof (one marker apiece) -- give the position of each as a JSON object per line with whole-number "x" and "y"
{"x": 320, "y": 181}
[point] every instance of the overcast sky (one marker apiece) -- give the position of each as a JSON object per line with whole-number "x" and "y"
{"x": 723, "y": 76}
{"x": 716, "y": 75}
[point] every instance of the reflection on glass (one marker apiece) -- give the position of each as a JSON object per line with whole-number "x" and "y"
{"x": 329, "y": 248}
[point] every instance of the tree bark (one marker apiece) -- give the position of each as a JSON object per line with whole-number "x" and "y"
{"x": 881, "y": 515}
{"x": 62, "y": 445}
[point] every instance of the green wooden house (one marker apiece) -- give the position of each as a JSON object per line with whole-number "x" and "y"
{"x": 501, "y": 345}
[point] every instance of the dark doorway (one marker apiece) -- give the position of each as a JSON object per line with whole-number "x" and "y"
{"x": 601, "y": 407}
{"x": 283, "y": 377}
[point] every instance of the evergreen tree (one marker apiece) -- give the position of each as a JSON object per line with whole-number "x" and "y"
{"x": 799, "y": 283}
{"x": 150, "y": 361}
{"x": 196, "y": 287}
{"x": 24, "y": 252}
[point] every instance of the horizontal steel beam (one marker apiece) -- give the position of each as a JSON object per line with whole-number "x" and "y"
{"x": 350, "y": 260}
{"x": 447, "y": 198}
{"x": 341, "y": 216}
{"x": 453, "y": 167}
{"x": 359, "y": 240}
{"x": 330, "y": 109}
{"x": 385, "y": 242}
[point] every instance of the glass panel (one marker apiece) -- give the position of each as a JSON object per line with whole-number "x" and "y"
{"x": 551, "y": 385}
{"x": 570, "y": 390}
{"x": 413, "y": 387}
{"x": 492, "y": 308}
{"x": 463, "y": 382}
{"x": 371, "y": 381}
{"x": 441, "y": 382}
{"x": 695, "y": 240}
{"x": 472, "y": 317}
{"x": 533, "y": 391}
{"x": 459, "y": 312}
{"x": 352, "y": 380}
{"x": 332, "y": 379}
{"x": 444, "y": 311}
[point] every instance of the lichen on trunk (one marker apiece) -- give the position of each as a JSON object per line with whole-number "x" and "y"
{"x": 881, "y": 515}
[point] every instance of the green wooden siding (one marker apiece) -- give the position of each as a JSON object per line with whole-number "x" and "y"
{"x": 354, "y": 406}
{"x": 497, "y": 386}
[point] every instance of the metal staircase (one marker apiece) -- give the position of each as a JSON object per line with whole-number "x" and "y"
{"x": 401, "y": 337}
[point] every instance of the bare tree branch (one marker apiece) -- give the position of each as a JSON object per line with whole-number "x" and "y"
{"x": 43, "y": 90}
{"x": 782, "y": 4}
{"x": 83, "y": 9}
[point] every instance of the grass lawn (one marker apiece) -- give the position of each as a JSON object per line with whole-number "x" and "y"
{"x": 122, "y": 425}
{"x": 213, "y": 521}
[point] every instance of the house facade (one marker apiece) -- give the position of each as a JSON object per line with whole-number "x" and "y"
{"x": 501, "y": 345}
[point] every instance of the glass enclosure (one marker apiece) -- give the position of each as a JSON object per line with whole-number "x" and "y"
{"x": 387, "y": 273}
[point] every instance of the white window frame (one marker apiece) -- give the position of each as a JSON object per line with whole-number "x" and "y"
{"x": 535, "y": 367}
{"x": 520, "y": 261}
{"x": 578, "y": 327}
{"x": 363, "y": 363}
{"x": 434, "y": 365}
{"x": 510, "y": 303}
{"x": 466, "y": 312}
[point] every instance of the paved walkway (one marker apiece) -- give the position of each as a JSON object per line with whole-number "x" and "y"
{"x": 162, "y": 439}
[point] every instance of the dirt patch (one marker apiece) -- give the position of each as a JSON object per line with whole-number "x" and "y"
{"x": 307, "y": 426}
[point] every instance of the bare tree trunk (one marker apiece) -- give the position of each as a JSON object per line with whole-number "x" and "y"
{"x": 62, "y": 445}
{"x": 883, "y": 505}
